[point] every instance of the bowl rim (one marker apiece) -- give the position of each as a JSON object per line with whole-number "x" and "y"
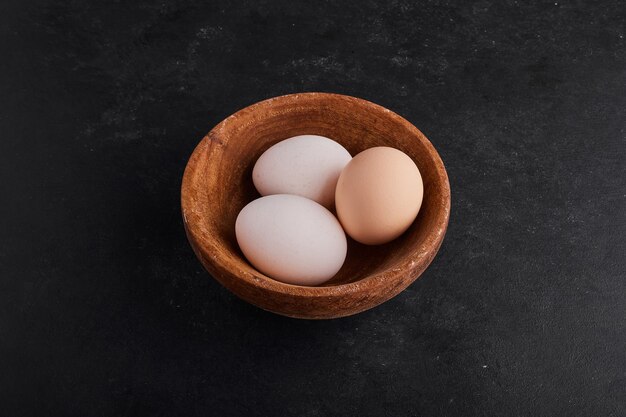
{"x": 221, "y": 266}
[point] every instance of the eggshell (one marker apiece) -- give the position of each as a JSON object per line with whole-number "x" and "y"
{"x": 291, "y": 239}
{"x": 379, "y": 194}
{"x": 306, "y": 165}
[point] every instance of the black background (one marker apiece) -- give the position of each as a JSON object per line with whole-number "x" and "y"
{"x": 104, "y": 309}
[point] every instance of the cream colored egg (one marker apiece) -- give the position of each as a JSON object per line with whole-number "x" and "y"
{"x": 306, "y": 165}
{"x": 291, "y": 239}
{"x": 379, "y": 194}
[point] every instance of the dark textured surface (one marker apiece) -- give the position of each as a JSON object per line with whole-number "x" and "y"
{"x": 104, "y": 309}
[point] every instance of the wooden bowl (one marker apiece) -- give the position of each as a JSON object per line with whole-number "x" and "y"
{"x": 217, "y": 184}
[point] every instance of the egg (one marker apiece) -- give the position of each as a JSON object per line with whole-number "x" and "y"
{"x": 306, "y": 165}
{"x": 378, "y": 195}
{"x": 291, "y": 239}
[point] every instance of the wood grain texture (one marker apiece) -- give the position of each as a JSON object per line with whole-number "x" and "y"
{"x": 217, "y": 184}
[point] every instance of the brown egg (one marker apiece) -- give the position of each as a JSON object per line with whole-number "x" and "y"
{"x": 378, "y": 195}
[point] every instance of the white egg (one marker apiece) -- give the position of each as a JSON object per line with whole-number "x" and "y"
{"x": 291, "y": 239}
{"x": 306, "y": 165}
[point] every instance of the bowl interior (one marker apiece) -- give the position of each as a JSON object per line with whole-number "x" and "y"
{"x": 228, "y": 154}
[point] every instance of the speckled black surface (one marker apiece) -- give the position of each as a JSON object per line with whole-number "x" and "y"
{"x": 104, "y": 309}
